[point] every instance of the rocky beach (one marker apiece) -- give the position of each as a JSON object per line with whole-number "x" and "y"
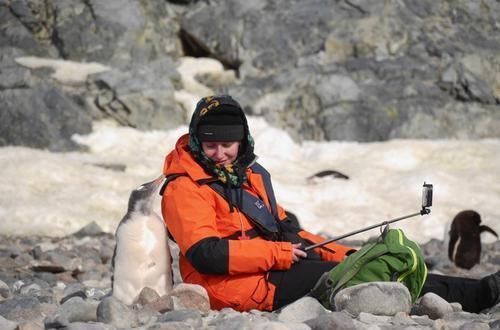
{"x": 65, "y": 283}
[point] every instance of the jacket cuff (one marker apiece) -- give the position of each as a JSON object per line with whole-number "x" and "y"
{"x": 284, "y": 257}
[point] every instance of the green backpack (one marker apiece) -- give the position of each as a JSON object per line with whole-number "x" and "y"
{"x": 392, "y": 257}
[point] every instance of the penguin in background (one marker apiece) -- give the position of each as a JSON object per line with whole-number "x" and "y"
{"x": 464, "y": 247}
{"x": 142, "y": 256}
{"x": 325, "y": 176}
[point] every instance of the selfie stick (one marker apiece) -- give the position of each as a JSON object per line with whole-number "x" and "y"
{"x": 426, "y": 202}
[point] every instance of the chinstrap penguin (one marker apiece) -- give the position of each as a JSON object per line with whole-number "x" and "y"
{"x": 464, "y": 248}
{"x": 325, "y": 175}
{"x": 142, "y": 255}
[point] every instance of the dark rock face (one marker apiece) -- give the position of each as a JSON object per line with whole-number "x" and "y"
{"x": 322, "y": 70}
{"x": 41, "y": 117}
{"x": 140, "y": 97}
{"x": 88, "y": 30}
{"x": 359, "y": 70}
{"x": 137, "y": 39}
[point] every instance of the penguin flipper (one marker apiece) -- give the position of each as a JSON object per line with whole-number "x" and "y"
{"x": 451, "y": 244}
{"x": 488, "y": 229}
{"x": 113, "y": 267}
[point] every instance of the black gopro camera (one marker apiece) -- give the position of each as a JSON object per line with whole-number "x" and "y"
{"x": 426, "y": 195}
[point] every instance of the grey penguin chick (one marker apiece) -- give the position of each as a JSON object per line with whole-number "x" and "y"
{"x": 464, "y": 248}
{"x": 142, "y": 256}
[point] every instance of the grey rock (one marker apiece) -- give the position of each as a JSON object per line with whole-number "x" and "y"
{"x": 456, "y": 307}
{"x": 495, "y": 324}
{"x": 457, "y": 320}
{"x": 279, "y": 326}
{"x": 449, "y": 76}
{"x": 16, "y": 35}
{"x": 73, "y": 310}
{"x": 141, "y": 96}
{"x": 111, "y": 311}
{"x": 89, "y": 326}
{"x": 41, "y": 117}
{"x": 12, "y": 78}
{"x": 16, "y": 287}
{"x": 7, "y": 325}
{"x": 61, "y": 260}
{"x": 20, "y": 307}
{"x": 8, "y": 56}
{"x": 373, "y": 319}
{"x": 4, "y": 290}
{"x": 251, "y": 38}
{"x": 434, "y": 306}
{"x": 113, "y": 31}
{"x": 161, "y": 305}
{"x": 170, "y": 326}
{"x": 403, "y": 319}
{"x": 32, "y": 325}
{"x": 423, "y": 320}
{"x": 91, "y": 229}
{"x": 495, "y": 312}
{"x": 475, "y": 325}
{"x": 74, "y": 289}
{"x": 334, "y": 320}
{"x": 79, "y": 293}
{"x": 190, "y": 317}
{"x": 147, "y": 296}
{"x": 31, "y": 289}
{"x": 234, "y": 322}
{"x": 221, "y": 316}
{"x": 47, "y": 277}
{"x": 304, "y": 309}
{"x": 190, "y": 296}
{"x": 146, "y": 316}
{"x": 378, "y": 298}
{"x": 98, "y": 293}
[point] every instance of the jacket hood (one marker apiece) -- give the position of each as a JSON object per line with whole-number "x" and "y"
{"x": 180, "y": 160}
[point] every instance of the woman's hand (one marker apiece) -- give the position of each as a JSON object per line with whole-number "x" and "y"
{"x": 297, "y": 253}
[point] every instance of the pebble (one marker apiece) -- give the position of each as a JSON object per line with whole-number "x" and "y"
{"x": 53, "y": 283}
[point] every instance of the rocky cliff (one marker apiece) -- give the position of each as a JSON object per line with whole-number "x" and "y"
{"x": 354, "y": 70}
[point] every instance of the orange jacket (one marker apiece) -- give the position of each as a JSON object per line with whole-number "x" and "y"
{"x": 233, "y": 271}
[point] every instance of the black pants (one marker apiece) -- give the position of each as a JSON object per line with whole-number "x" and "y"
{"x": 473, "y": 295}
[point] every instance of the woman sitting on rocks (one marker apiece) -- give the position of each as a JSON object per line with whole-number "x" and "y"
{"x": 236, "y": 241}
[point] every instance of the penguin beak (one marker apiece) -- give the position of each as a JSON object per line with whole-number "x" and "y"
{"x": 159, "y": 179}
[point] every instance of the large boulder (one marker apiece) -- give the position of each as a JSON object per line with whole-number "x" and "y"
{"x": 20, "y": 29}
{"x": 44, "y": 116}
{"x": 358, "y": 70}
{"x": 325, "y": 70}
{"x": 140, "y": 97}
{"x": 110, "y": 31}
{"x": 114, "y": 31}
{"x": 378, "y": 298}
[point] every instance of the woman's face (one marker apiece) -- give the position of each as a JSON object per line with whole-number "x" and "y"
{"x": 222, "y": 153}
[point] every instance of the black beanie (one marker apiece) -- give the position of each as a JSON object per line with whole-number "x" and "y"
{"x": 222, "y": 124}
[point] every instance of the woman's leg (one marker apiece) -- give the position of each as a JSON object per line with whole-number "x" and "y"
{"x": 474, "y": 295}
{"x": 298, "y": 281}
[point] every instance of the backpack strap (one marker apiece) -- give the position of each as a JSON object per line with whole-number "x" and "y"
{"x": 264, "y": 221}
{"x": 168, "y": 179}
{"x": 249, "y": 234}
{"x": 266, "y": 177}
{"x": 254, "y": 208}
